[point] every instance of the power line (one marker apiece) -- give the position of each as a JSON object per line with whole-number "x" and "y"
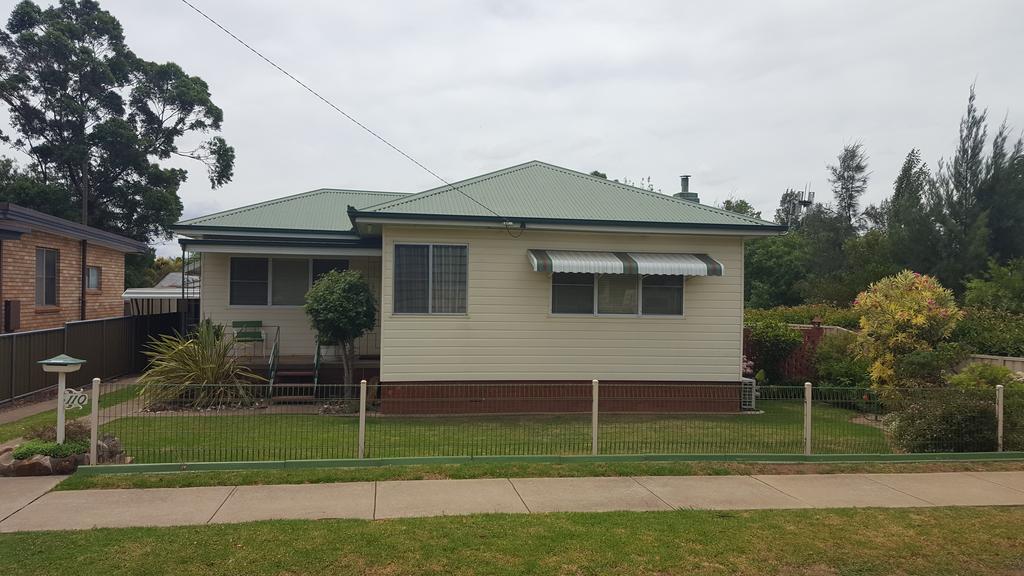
{"x": 339, "y": 110}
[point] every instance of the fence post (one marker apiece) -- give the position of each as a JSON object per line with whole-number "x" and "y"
{"x": 999, "y": 418}
{"x": 94, "y": 432}
{"x": 807, "y": 418}
{"x": 593, "y": 417}
{"x": 362, "y": 419}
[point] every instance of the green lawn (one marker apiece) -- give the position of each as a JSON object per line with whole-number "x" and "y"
{"x": 82, "y": 481}
{"x": 211, "y": 437}
{"x": 865, "y": 542}
{"x": 17, "y": 429}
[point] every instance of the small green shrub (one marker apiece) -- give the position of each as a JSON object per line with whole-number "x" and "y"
{"x": 772, "y": 342}
{"x": 31, "y": 448}
{"x": 805, "y": 314}
{"x": 837, "y": 364}
{"x": 944, "y": 420}
{"x": 984, "y": 376}
{"x": 994, "y": 332}
{"x": 73, "y": 430}
{"x": 928, "y": 368}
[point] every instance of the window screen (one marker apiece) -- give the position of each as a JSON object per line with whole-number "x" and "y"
{"x": 448, "y": 279}
{"x": 617, "y": 294}
{"x": 663, "y": 295}
{"x": 46, "y": 277}
{"x": 320, "y": 267}
{"x": 572, "y": 293}
{"x": 248, "y": 281}
{"x": 412, "y": 279}
{"x": 289, "y": 281}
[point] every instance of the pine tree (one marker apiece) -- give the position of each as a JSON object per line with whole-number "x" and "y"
{"x": 849, "y": 179}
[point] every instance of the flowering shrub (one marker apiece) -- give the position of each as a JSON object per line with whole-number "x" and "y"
{"x": 900, "y": 315}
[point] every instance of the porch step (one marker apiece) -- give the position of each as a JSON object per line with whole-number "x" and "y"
{"x": 295, "y": 373}
{"x": 308, "y": 398}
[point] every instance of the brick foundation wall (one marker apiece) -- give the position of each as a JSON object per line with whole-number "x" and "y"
{"x": 557, "y": 397}
{"x": 19, "y": 280}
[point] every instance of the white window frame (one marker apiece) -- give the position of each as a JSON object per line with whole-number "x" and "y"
{"x": 430, "y": 279}
{"x": 270, "y": 279}
{"x": 595, "y": 314}
{"x": 99, "y": 277}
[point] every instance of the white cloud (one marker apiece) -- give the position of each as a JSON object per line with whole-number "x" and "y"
{"x": 750, "y": 97}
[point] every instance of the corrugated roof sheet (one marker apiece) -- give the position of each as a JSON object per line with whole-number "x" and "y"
{"x": 543, "y": 191}
{"x": 321, "y": 210}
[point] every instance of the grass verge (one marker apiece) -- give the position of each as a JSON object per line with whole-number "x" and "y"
{"x": 502, "y": 470}
{"x": 17, "y": 429}
{"x": 863, "y": 542}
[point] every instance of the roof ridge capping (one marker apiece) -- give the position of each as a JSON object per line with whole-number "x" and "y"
{"x": 452, "y": 187}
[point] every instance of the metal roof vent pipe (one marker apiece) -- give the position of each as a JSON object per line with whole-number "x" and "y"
{"x": 684, "y": 190}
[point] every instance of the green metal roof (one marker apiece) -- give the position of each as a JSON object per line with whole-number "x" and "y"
{"x": 530, "y": 192}
{"x": 543, "y": 192}
{"x": 320, "y": 210}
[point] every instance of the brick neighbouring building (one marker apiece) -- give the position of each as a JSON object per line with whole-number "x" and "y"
{"x": 33, "y": 242}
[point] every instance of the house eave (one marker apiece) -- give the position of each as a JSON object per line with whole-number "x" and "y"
{"x": 352, "y": 247}
{"x": 21, "y": 219}
{"x": 361, "y": 219}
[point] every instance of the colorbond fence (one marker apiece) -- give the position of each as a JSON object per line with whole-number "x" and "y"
{"x": 111, "y": 346}
{"x": 243, "y": 423}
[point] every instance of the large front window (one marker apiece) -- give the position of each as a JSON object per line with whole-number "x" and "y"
{"x": 276, "y": 281}
{"x": 616, "y": 294}
{"x": 430, "y": 279}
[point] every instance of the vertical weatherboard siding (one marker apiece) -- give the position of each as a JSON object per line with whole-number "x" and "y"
{"x": 297, "y": 337}
{"x": 509, "y": 333}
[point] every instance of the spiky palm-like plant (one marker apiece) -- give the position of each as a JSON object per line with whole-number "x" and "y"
{"x": 196, "y": 370}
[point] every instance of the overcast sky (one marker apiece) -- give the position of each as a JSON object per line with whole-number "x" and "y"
{"x": 749, "y": 97}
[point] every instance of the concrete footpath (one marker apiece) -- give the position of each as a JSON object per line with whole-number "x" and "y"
{"x": 28, "y": 504}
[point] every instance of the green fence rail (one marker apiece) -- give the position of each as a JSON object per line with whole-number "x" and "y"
{"x": 177, "y": 424}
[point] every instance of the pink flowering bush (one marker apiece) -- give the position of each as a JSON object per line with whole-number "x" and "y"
{"x": 902, "y": 315}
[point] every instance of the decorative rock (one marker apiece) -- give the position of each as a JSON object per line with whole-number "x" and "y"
{"x": 6, "y": 462}
{"x": 37, "y": 465}
{"x": 63, "y": 465}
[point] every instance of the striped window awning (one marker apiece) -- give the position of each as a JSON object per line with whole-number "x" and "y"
{"x": 624, "y": 263}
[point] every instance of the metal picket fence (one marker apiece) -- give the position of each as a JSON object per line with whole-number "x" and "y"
{"x": 185, "y": 424}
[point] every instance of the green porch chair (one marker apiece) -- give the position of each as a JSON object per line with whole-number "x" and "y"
{"x": 249, "y": 332}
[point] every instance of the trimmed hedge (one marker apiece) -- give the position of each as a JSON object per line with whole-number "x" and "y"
{"x": 804, "y": 314}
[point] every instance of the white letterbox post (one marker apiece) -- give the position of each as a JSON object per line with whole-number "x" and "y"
{"x": 63, "y": 365}
{"x": 94, "y": 429}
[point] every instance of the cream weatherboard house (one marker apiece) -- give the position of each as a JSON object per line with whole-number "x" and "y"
{"x": 533, "y": 274}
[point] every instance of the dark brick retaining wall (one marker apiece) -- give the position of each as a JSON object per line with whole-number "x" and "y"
{"x": 510, "y": 397}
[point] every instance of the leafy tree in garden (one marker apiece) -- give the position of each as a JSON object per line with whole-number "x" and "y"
{"x": 341, "y": 308}
{"x": 773, "y": 268}
{"x": 906, "y": 316}
{"x": 999, "y": 288}
{"x": 96, "y": 119}
{"x": 740, "y": 206}
{"x": 849, "y": 179}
